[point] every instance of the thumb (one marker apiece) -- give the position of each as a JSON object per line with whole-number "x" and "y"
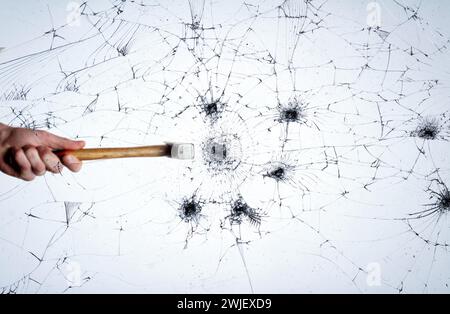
{"x": 58, "y": 142}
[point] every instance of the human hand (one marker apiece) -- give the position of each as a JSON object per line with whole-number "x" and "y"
{"x": 26, "y": 153}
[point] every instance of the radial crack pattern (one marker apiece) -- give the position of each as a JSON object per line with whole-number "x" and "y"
{"x": 321, "y": 133}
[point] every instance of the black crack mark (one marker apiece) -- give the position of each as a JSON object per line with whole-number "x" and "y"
{"x": 72, "y": 86}
{"x": 428, "y": 224}
{"x": 212, "y": 110}
{"x": 281, "y": 170}
{"x": 440, "y": 203}
{"x": 124, "y": 49}
{"x": 240, "y": 210}
{"x": 16, "y": 93}
{"x": 190, "y": 210}
{"x": 304, "y": 21}
{"x": 278, "y": 174}
{"x": 428, "y": 129}
{"x": 294, "y": 111}
{"x": 441, "y": 199}
{"x": 444, "y": 200}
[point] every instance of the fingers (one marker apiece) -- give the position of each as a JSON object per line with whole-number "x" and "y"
{"x": 28, "y": 162}
{"x": 17, "y": 164}
{"x": 72, "y": 163}
{"x": 58, "y": 142}
{"x": 50, "y": 160}
{"x": 37, "y": 165}
{"x": 6, "y": 165}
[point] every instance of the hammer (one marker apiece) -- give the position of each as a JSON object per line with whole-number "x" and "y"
{"x": 183, "y": 151}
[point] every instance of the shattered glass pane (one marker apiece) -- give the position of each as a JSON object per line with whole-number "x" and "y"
{"x": 321, "y": 130}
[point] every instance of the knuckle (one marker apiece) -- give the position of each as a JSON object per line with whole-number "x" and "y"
{"x": 29, "y": 149}
{"x": 40, "y": 169}
{"x": 42, "y": 134}
{"x": 54, "y": 161}
{"x": 43, "y": 149}
{"x": 45, "y": 153}
{"x": 17, "y": 152}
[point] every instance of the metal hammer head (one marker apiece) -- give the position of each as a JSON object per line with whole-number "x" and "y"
{"x": 182, "y": 151}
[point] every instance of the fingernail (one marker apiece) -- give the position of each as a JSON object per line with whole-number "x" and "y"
{"x": 40, "y": 173}
{"x": 73, "y": 163}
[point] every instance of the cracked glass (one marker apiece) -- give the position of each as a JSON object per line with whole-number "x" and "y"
{"x": 321, "y": 131}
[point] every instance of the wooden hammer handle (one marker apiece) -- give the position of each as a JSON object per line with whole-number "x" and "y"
{"x": 109, "y": 153}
